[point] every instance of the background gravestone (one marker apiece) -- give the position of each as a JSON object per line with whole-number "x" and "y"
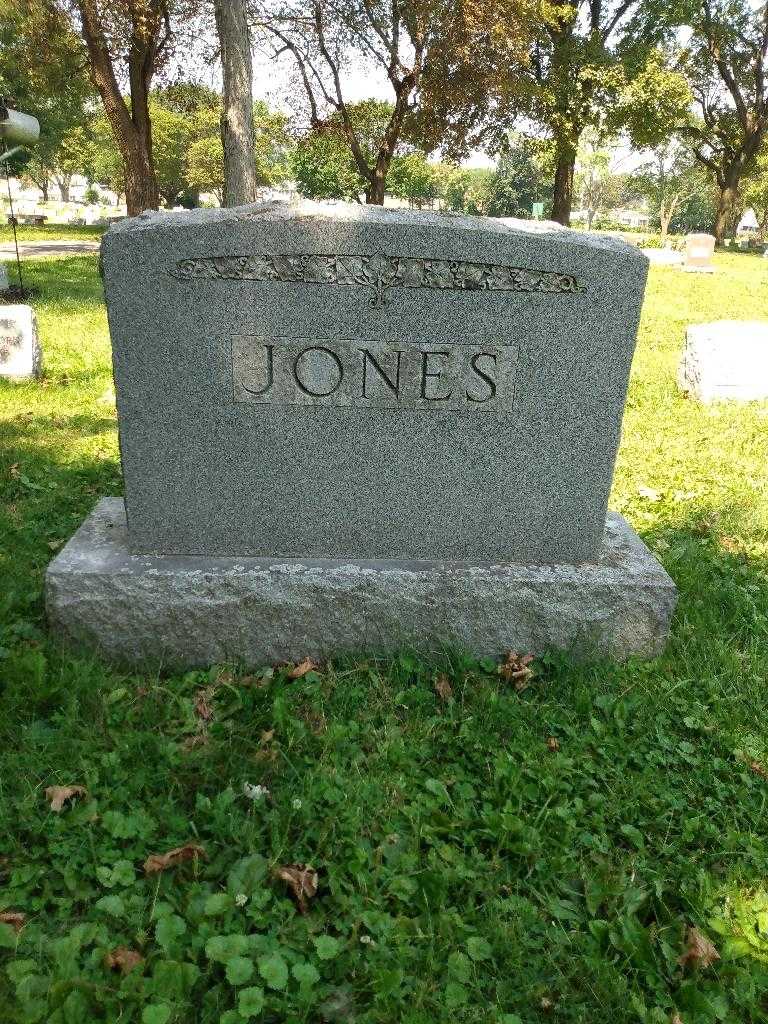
{"x": 727, "y": 359}
{"x": 20, "y": 353}
{"x": 414, "y": 409}
{"x": 699, "y": 249}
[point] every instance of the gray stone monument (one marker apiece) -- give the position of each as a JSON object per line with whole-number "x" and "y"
{"x": 350, "y": 428}
{"x": 20, "y": 353}
{"x": 725, "y": 360}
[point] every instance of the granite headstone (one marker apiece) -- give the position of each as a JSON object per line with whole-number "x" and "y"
{"x": 338, "y": 382}
{"x": 326, "y": 410}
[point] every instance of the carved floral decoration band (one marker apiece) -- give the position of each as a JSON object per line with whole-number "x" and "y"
{"x": 377, "y": 272}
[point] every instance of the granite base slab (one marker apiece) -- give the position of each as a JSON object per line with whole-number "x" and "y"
{"x": 187, "y": 611}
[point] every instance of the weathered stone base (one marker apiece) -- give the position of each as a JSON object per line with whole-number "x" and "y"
{"x": 191, "y": 611}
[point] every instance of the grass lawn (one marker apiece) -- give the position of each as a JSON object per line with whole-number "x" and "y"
{"x": 496, "y": 855}
{"x": 52, "y": 232}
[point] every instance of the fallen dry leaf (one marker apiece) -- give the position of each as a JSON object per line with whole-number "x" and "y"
{"x": 54, "y": 545}
{"x": 758, "y": 769}
{"x": 553, "y": 744}
{"x": 301, "y": 879}
{"x": 14, "y": 471}
{"x": 123, "y": 959}
{"x": 203, "y": 707}
{"x": 443, "y": 688}
{"x": 268, "y": 735}
{"x": 516, "y": 669}
{"x": 160, "y": 861}
{"x": 59, "y": 795}
{"x": 676, "y": 1019}
{"x": 730, "y": 544}
{"x": 699, "y": 951}
{"x": 302, "y": 668}
{"x": 14, "y": 918}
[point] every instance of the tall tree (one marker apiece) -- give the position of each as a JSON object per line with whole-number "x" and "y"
{"x": 755, "y": 191}
{"x": 237, "y": 114}
{"x": 667, "y": 181}
{"x": 727, "y": 63}
{"x": 574, "y": 77}
{"x": 54, "y": 87}
{"x": 591, "y": 69}
{"x": 404, "y": 39}
{"x": 134, "y": 35}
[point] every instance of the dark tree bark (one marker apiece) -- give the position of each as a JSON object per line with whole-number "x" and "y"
{"x": 149, "y": 34}
{"x": 240, "y": 181}
{"x": 562, "y": 201}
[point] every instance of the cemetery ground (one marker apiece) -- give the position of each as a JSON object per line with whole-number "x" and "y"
{"x": 575, "y": 843}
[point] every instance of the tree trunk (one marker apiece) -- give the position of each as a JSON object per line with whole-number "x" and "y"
{"x": 63, "y": 182}
{"x": 240, "y": 184}
{"x": 43, "y": 186}
{"x": 374, "y": 194}
{"x": 131, "y": 128}
{"x": 726, "y": 203}
{"x": 563, "y": 198}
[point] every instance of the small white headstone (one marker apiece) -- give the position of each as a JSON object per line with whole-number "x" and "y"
{"x": 727, "y": 359}
{"x": 20, "y": 353}
{"x": 4, "y": 282}
{"x": 698, "y": 253}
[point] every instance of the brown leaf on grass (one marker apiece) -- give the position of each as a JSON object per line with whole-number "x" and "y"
{"x": 302, "y": 668}
{"x": 553, "y": 744}
{"x": 203, "y": 707}
{"x": 160, "y": 861}
{"x": 699, "y": 951}
{"x": 730, "y": 544}
{"x": 301, "y": 879}
{"x": 14, "y": 918}
{"x": 14, "y": 471}
{"x": 54, "y": 545}
{"x": 59, "y": 795}
{"x": 443, "y": 688}
{"x": 123, "y": 959}
{"x": 516, "y": 669}
{"x": 267, "y": 736}
{"x": 758, "y": 769}
{"x": 676, "y": 1019}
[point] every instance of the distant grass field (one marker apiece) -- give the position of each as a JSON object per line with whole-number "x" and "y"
{"x": 486, "y": 855}
{"x": 51, "y": 232}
